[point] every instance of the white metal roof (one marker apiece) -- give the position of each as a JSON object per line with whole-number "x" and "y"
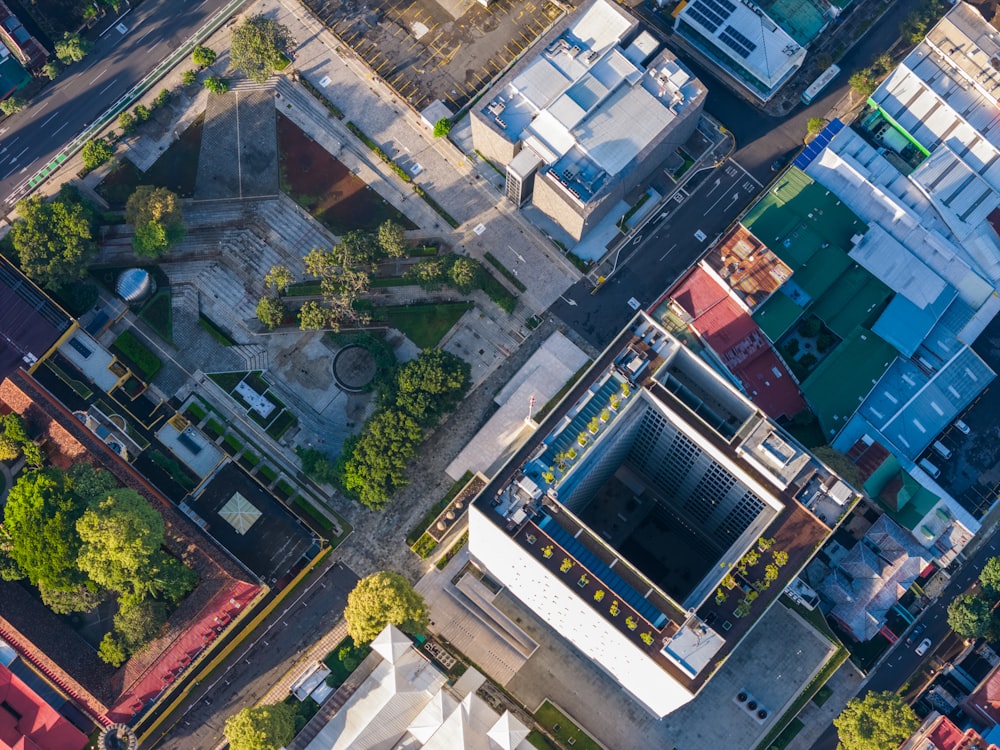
{"x": 897, "y": 267}
{"x": 747, "y": 37}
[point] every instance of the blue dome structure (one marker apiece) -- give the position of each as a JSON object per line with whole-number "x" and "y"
{"x": 135, "y": 285}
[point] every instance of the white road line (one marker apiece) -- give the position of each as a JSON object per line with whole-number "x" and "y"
{"x": 51, "y": 117}
{"x": 59, "y": 128}
{"x": 718, "y": 181}
{"x": 153, "y": 47}
{"x": 144, "y": 35}
{"x": 99, "y": 76}
{"x": 709, "y": 209}
{"x": 668, "y": 252}
{"x": 19, "y": 155}
{"x": 40, "y": 107}
{"x": 110, "y": 84}
{"x": 753, "y": 179}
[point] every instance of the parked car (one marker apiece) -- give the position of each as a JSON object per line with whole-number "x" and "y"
{"x": 961, "y": 427}
{"x": 924, "y": 645}
{"x": 778, "y": 163}
{"x": 915, "y": 633}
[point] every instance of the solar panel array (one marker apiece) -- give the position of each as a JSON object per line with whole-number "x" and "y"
{"x": 711, "y": 13}
{"x": 737, "y": 42}
{"x": 816, "y": 145}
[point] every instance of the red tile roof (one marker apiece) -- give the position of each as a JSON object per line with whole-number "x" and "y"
{"x": 738, "y": 341}
{"x": 27, "y": 721}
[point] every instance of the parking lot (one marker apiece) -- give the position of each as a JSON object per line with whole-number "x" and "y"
{"x": 427, "y": 50}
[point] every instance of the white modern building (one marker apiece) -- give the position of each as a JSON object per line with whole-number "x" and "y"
{"x": 406, "y": 703}
{"x": 588, "y": 118}
{"x": 640, "y": 521}
{"x": 744, "y": 41}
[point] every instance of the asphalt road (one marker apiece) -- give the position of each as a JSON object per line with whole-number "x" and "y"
{"x": 255, "y": 667}
{"x": 668, "y": 243}
{"x": 901, "y": 661}
{"x": 32, "y": 137}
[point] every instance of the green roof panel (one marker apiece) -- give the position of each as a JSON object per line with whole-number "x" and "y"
{"x": 777, "y": 315}
{"x": 857, "y": 299}
{"x": 838, "y": 385}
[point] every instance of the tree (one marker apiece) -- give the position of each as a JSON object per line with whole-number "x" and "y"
{"x": 155, "y": 212}
{"x": 863, "y": 82}
{"x": 840, "y": 464}
{"x": 138, "y": 621}
{"x": 111, "y": 651}
{"x": 380, "y": 599}
{"x": 12, "y": 104}
{"x": 217, "y": 85}
{"x": 442, "y": 127}
{"x": 72, "y": 48}
{"x": 188, "y": 77}
{"x": 279, "y": 278}
{"x": 883, "y": 63}
{"x": 316, "y": 464}
{"x": 464, "y": 274}
{"x": 431, "y": 385}
{"x": 142, "y": 112}
{"x": 341, "y": 283}
{"x": 390, "y": 237}
{"x": 815, "y": 125}
{"x": 9, "y": 449}
{"x": 127, "y": 122}
{"x": 203, "y": 56}
{"x": 96, "y": 152}
{"x": 54, "y": 240}
{"x": 120, "y": 538}
{"x": 879, "y": 721}
{"x": 969, "y": 616}
{"x": 51, "y": 70}
{"x": 270, "y": 311}
{"x": 989, "y": 576}
{"x": 261, "y": 728}
{"x": 376, "y": 467}
{"x": 40, "y": 522}
{"x": 91, "y": 485}
{"x": 258, "y": 46}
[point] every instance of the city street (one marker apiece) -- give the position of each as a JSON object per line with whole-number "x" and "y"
{"x": 901, "y": 661}
{"x": 660, "y": 251}
{"x": 255, "y": 667}
{"x": 33, "y": 136}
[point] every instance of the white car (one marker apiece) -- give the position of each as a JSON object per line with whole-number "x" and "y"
{"x": 961, "y": 426}
{"x": 924, "y": 645}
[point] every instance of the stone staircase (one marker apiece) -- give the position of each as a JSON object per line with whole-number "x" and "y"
{"x": 245, "y": 84}
{"x": 255, "y": 355}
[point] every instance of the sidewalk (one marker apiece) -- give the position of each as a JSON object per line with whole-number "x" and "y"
{"x": 281, "y": 689}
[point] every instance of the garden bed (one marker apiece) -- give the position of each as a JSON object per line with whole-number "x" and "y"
{"x": 158, "y": 313}
{"x": 136, "y": 355}
{"x": 326, "y": 188}
{"x": 176, "y": 170}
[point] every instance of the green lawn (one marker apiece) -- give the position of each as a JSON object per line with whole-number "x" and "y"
{"x": 783, "y": 739}
{"x": 337, "y": 671}
{"x": 137, "y": 355}
{"x": 549, "y": 717}
{"x": 157, "y": 313}
{"x": 425, "y": 325}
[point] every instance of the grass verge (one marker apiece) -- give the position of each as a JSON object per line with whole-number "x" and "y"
{"x": 137, "y": 355}
{"x": 507, "y": 273}
{"x": 425, "y": 325}
{"x": 551, "y": 717}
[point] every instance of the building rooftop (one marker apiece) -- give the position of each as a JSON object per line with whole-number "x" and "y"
{"x": 404, "y": 701}
{"x": 798, "y": 217}
{"x": 585, "y": 105}
{"x": 747, "y": 265}
{"x": 747, "y": 37}
{"x": 250, "y": 522}
{"x": 867, "y": 581}
{"x": 27, "y": 722}
{"x": 30, "y": 322}
{"x": 561, "y": 501}
{"x": 738, "y": 341}
{"x": 839, "y": 384}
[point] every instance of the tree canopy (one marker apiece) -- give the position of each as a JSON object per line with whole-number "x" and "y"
{"x": 261, "y": 727}
{"x": 372, "y": 465}
{"x": 155, "y": 213}
{"x": 54, "y": 240}
{"x": 258, "y": 46}
{"x": 40, "y": 519}
{"x": 390, "y": 238}
{"x": 72, "y": 48}
{"x": 879, "y": 721}
{"x": 78, "y": 538}
{"x": 380, "y": 599}
{"x": 96, "y": 152}
{"x": 989, "y": 576}
{"x": 341, "y": 282}
{"x": 270, "y": 311}
{"x": 203, "y": 56}
{"x": 969, "y": 615}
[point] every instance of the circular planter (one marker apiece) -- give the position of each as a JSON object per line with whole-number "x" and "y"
{"x": 354, "y": 368}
